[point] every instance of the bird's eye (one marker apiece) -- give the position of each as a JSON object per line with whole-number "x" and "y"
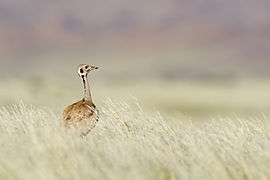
{"x": 86, "y": 67}
{"x": 81, "y": 70}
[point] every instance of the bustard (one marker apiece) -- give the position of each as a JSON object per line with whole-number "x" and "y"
{"x": 82, "y": 115}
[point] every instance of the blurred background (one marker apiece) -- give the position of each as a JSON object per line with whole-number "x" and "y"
{"x": 199, "y": 59}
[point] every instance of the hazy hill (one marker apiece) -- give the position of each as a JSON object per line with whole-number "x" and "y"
{"x": 51, "y": 21}
{"x": 232, "y": 34}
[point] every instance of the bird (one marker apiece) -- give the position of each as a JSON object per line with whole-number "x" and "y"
{"x": 82, "y": 115}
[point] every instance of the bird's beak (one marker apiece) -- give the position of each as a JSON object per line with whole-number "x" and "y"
{"x": 93, "y": 67}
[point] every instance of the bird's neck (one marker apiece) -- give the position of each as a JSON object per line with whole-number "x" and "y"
{"x": 87, "y": 93}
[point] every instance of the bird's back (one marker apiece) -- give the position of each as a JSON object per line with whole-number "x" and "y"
{"x": 82, "y": 116}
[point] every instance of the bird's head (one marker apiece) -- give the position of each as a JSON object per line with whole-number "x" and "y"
{"x": 84, "y": 69}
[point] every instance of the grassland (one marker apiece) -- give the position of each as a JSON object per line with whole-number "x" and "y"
{"x": 188, "y": 129}
{"x": 199, "y": 100}
{"x": 129, "y": 143}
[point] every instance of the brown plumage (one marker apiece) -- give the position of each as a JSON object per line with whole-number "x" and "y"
{"x": 82, "y": 115}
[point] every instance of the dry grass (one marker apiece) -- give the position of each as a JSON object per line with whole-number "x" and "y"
{"x": 131, "y": 144}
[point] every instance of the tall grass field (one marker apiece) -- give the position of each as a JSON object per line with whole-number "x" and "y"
{"x": 129, "y": 143}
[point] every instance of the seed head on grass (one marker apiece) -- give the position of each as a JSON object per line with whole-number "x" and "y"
{"x": 129, "y": 143}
